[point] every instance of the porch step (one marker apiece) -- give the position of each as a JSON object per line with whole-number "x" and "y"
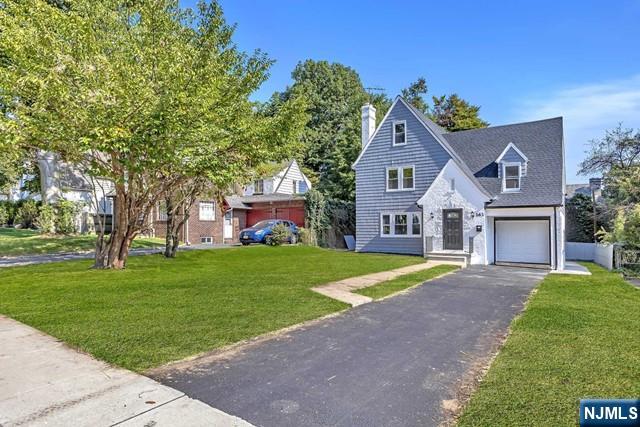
{"x": 463, "y": 259}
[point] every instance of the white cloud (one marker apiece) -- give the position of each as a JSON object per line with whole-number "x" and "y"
{"x": 588, "y": 110}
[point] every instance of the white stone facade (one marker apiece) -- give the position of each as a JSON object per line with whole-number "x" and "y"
{"x": 452, "y": 189}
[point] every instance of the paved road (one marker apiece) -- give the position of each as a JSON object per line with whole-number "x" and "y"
{"x": 47, "y": 258}
{"x": 388, "y": 363}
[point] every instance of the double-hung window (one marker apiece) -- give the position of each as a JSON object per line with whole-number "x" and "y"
{"x": 401, "y": 224}
{"x": 511, "y": 180}
{"x": 162, "y": 211}
{"x": 207, "y": 211}
{"x": 258, "y": 186}
{"x": 399, "y": 132}
{"x": 400, "y": 178}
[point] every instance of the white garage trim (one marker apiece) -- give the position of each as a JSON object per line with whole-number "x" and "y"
{"x": 525, "y": 240}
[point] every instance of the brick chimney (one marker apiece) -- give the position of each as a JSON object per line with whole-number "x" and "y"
{"x": 368, "y": 123}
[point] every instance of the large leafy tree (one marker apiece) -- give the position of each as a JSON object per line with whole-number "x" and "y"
{"x": 450, "y": 112}
{"x": 454, "y": 113}
{"x": 414, "y": 94}
{"x": 616, "y": 157}
{"x": 331, "y": 138}
{"x": 580, "y": 218}
{"x": 146, "y": 94}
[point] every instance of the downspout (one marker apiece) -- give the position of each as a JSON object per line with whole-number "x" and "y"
{"x": 555, "y": 237}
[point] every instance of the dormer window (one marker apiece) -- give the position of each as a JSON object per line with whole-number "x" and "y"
{"x": 399, "y": 132}
{"x": 511, "y": 177}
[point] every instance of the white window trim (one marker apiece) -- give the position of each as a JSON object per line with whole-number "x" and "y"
{"x": 393, "y": 133}
{"x": 213, "y": 218}
{"x": 400, "y": 178}
{"x": 516, "y": 149}
{"x": 392, "y": 224}
{"x": 504, "y": 177}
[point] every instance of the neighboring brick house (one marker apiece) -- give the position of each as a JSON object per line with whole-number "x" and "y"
{"x": 279, "y": 196}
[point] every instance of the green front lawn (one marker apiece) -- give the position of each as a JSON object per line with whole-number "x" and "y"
{"x": 29, "y": 242}
{"x": 578, "y": 338}
{"x": 403, "y": 282}
{"x": 159, "y": 310}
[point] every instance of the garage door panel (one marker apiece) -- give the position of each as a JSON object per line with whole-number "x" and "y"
{"x": 523, "y": 241}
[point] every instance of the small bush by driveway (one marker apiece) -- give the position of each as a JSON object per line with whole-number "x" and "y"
{"x": 578, "y": 338}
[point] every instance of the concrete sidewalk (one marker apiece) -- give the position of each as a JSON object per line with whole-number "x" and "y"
{"x": 343, "y": 289}
{"x": 44, "y": 382}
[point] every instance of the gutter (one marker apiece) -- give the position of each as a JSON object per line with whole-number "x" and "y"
{"x": 522, "y": 206}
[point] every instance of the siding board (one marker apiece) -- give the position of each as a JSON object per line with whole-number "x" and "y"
{"x": 423, "y": 152}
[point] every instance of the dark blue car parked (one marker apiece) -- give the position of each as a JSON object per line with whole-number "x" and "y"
{"x": 261, "y": 231}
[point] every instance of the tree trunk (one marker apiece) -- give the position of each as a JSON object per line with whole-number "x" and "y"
{"x": 114, "y": 252}
{"x": 174, "y": 248}
{"x": 171, "y": 238}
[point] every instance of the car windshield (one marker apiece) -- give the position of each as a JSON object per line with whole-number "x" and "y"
{"x": 263, "y": 224}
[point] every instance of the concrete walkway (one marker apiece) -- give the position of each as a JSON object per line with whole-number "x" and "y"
{"x": 571, "y": 267}
{"x": 44, "y": 382}
{"x": 47, "y": 258}
{"x": 342, "y": 290}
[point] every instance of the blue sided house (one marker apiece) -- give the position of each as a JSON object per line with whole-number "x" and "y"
{"x": 483, "y": 196}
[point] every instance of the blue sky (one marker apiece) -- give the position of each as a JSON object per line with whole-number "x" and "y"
{"x": 518, "y": 60}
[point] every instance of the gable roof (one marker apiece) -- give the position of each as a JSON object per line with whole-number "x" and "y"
{"x": 513, "y": 147}
{"x": 284, "y": 174}
{"x": 439, "y": 134}
{"x": 436, "y": 131}
{"x": 542, "y": 140}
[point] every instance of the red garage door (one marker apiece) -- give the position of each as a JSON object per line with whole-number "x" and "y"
{"x": 292, "y": 214}
{"x": 257, "y": 215}
{"x": 295, "y": 214}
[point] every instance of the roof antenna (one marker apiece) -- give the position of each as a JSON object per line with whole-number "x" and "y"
{"x": 372, "y": 90}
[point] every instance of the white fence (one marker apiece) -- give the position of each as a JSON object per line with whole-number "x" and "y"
{"x": 580, "y": 251}
{"x": 600, "y": 254}
{"x": 604, "y": 256}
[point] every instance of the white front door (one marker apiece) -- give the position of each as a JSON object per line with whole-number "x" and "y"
{"x": 523, "y": 241}
{"x": 228, "y": 224}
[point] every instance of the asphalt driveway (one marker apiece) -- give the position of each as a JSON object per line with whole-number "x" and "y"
{"x": 387, "y": 363}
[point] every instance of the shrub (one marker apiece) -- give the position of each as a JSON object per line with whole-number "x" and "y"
{"x": 305, "y": 236}
{"x": 4, "y": 214}
{"x": 7, "y": 212}
{"x": 26, "y": 214}
{"x": 11, "y": 208}
{"x": 279, "y": 235}
{"x": 45, "y": 220}
{"x": 315, "y": 205}
{"x": 65, "y": 218}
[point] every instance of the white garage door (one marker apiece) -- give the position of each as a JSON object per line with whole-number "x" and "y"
{"x": 525, "y": 241}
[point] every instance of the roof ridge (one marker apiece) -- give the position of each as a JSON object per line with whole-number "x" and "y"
{"x": 506, "y": 125}
{"x": 424, "y": 117}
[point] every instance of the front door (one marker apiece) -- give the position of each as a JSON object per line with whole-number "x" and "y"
{"x": 452, "y": 229}
{"x": 228, "y": 224}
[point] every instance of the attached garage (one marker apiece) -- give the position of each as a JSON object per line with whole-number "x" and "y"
{"x": 275, "y": 206}
{"x": 522, "y": 241}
